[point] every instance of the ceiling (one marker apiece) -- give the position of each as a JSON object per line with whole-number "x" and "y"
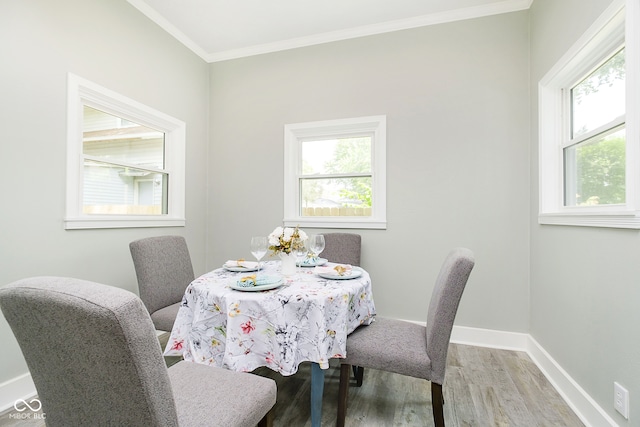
{"x": 219, "y": 30}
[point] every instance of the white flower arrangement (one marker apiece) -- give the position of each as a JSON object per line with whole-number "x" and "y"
{"x": 286, "y": 239}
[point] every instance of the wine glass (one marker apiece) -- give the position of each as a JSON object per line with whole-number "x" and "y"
{"x": 259, "y": 248}
{"x": 316, "y": 244}
{"x": 300, "y": 250}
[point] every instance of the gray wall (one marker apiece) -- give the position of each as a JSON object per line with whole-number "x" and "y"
{"x": 455, "y": 96}
{"x": 584, "y": 281}
{"x": 461, "y": 103}
{"x": 112, "y": 44}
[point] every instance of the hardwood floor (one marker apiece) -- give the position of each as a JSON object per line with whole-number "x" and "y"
{"x": 483, "y": 387}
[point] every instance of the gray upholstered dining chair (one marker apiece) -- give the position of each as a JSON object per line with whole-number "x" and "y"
{"x": 164, "y": 270}
{"x": 407, "y": 348}
{"x": 343, "y": 248}
{"x": 95, "y": 360}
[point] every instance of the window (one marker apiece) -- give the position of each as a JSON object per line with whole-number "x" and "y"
{"x": 589, "y": 145}
{"x": 594, "y": 150}
{"x": 335, "y": 173}
{"x": 125, "y": 162}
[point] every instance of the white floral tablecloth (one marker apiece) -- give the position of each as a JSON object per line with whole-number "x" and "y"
{"x": 307, "y": 319}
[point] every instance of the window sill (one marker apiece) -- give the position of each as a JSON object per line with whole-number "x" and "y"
{"x": 329, "y": 222}
{"x": 122, "y": 222}
{"x": 630, "y": 220}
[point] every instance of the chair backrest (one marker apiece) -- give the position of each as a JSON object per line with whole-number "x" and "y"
{"x": 164, "y": 270}
{"x": 443, "y": 307}
{"x": 92, "y": 352}
{"x": 343, "y": 248}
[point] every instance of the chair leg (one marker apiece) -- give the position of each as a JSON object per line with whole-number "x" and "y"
{"x": 267, "y": 420}
{"x": 437, "y": 400}
{"x": 343, "y": 394}
{"x": 358, "y": 373}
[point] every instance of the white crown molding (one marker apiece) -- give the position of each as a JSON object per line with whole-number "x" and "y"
{"x": 497, "y": 8}
{"x": 152, "y": 14}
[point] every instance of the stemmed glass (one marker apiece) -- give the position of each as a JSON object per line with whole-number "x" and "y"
{"x": 259, "y": 248}
{"x": 316, "y": 244}
{"x": 300, "y": 250}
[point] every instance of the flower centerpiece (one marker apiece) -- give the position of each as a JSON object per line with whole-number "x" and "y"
{"x": 283, "y": 241}
{"x": 286, "y": 240}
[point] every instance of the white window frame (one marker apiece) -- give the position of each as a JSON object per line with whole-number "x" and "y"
{"x": 294, "y": 134}
{"x": 82, "y": 92}
{"x": 610, "y": 31}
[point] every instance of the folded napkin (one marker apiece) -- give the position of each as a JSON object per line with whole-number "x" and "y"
{"x": 249, "y": 281}
{"x": 310, "y": 260}
{"x": 241, "y": 263}
{"x": 336, "y": 269}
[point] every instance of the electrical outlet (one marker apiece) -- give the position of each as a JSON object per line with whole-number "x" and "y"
{"x": 621, "y": 399}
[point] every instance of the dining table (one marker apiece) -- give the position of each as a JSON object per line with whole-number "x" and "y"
{"x": 241, "y": 320}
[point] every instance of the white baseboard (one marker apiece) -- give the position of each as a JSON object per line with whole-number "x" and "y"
{"x": 21, "y": 387}
{"x": 489, "y": 338}
{"x": 589, "y": 412}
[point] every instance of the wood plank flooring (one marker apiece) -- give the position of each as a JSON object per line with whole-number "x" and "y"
{"x": 483, "y": 387}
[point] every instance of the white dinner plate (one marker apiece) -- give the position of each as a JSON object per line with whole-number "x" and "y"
{"x": 355, "y": 272}
{"x": 238, "y": 269}
{"x": 273, "y": 282}
{"x": 320, "y": 261}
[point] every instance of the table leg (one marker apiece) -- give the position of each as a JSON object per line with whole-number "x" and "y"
{"x": 317, "y": 388}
